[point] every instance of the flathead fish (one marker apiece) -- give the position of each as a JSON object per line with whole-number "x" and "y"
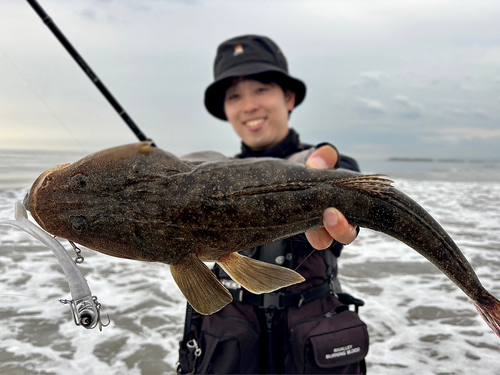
{"x": 139, "y": 202}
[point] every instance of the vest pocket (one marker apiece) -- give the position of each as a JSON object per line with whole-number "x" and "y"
{"x": 335, "y": 342}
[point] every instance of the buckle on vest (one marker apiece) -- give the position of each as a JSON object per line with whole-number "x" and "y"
{"x": 270, "y": 300}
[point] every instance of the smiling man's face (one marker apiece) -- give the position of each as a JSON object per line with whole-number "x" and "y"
{"x": 258, "y": 112}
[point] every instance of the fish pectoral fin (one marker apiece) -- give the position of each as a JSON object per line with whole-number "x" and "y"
{"x": 256, "y": 276}
{"x": 375, "y": 184}
{"x": 200, "y": 286}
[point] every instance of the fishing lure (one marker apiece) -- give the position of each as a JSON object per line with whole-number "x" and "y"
{"x": 85, "y": 309}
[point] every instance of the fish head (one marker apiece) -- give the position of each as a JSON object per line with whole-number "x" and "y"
{"x": 61, "y": 198}
{"x": 68, "y": 200}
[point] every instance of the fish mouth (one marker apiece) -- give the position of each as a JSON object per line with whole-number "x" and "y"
{"x": 42, "y": 181}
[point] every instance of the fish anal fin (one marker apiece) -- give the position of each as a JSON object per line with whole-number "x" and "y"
{"x": 256, "y": 276}
{"x": 200, "y": 286}
{"x": 375, "y": 184}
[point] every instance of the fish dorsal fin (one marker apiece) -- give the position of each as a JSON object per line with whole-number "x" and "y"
{"x": 375, "y": 184}
{"x": 200, "y": 286}
{"x": 256, "y": 276}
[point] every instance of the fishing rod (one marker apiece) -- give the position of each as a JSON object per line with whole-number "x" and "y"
{"x": 93, "y": 77}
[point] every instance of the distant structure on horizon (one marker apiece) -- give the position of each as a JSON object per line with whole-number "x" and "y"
{"x": 431, "y": 160}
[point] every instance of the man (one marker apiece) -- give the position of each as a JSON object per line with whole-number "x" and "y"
{"x": 261, "y": 333}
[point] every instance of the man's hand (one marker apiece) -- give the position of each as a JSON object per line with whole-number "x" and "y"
{"x": 336, "y": 225}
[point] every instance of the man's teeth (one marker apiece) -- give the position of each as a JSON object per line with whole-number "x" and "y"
{"x": 254, "y": 123}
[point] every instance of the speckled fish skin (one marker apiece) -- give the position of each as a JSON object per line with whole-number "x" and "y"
{"x": 139, "y": 202}
{"x": 150, "y": 206}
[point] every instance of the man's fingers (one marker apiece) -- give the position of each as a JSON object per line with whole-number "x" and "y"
{"x": 319, "y": 238}
{"x": 337, "y": 226}
{"x": 323, "y": 158}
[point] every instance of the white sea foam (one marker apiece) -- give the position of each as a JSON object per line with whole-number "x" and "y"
{"x": 419, "y": 321}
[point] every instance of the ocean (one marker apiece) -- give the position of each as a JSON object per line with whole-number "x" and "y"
{"x": 419, "y": 321}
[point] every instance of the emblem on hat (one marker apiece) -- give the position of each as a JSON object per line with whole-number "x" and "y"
{"x": 238, "y": 50}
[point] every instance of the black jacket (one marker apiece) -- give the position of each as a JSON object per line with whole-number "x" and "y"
{"x": 292, "y": 145}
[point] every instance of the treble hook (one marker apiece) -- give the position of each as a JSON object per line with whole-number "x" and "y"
{"x": 87, "y": 312}
{"x": 99, "y": 320}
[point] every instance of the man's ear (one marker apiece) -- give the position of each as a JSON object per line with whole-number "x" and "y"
{"x": 290, "y": 99}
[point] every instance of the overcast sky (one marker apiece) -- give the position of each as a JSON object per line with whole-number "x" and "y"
{"x": 385, "y": 78}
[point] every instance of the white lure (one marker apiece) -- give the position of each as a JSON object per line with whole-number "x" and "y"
{"x": 85, "y": 308}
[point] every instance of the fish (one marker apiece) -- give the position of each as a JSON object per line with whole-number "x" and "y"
{"x": 140, "y": 202}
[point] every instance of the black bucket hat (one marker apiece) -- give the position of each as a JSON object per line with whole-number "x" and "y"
{"x": 244, "y": 56}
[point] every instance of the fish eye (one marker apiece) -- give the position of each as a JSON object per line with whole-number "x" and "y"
{"x": 79, "y": 223}
{"x": 46, "y": 181}
{"x": 79, "y": 180}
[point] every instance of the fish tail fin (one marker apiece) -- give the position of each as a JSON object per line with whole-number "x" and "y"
{"x": 200, "y": 286}
{"x": 490, "y": 312}
{"x": 257, "y": 276}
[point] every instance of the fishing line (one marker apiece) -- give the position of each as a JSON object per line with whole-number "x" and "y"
{"x": 313, "y": 250}
{"x": 45, "y": 299}
{"x": 26, "y": 296}
{"x": 61, "y": 122}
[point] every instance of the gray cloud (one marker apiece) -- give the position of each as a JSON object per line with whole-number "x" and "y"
{"x": 370, "y": 80}
{"x": 462, "y": 134}
{"x": 88, "y": 14}
{"x": 478, "y": 113}
{"x": 370, "y": 107}
{"x": 407, "y": 108}
{"x": 460, "y": 112}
